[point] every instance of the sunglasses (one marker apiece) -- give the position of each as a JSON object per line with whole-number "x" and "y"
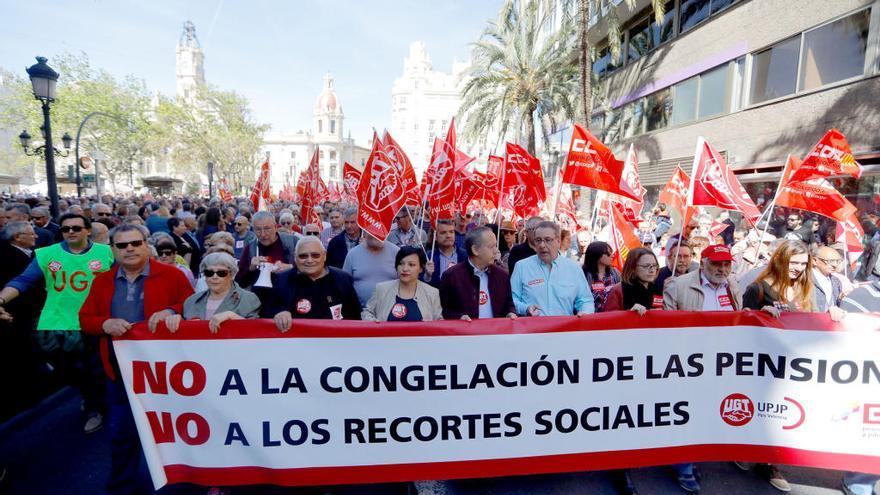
{"x": 305, "y": 256}
{"x": 105, "y": 214}
{"x": 310, "y": 233}
{"x": 71, "y": 228}
{"x": 238, "y": 224}
{"x": 123, "y": 245}
{"x": 219, "y": 273}
{"x": 166, "y": 252}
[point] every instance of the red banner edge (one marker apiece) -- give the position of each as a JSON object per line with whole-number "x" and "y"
{"x": 487, "y": 468}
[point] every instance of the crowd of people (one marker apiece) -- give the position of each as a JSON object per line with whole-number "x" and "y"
{"x": 70, "y": 284}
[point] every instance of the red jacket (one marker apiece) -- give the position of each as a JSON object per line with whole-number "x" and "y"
{"x": 166, "y": 287}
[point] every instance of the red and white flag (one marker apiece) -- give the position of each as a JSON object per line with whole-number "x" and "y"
{"x": 440, "y": 177}
{"x": 351, "y": 177}
{"x": 260, "y": 196}
{"x": 831, "y": 156}
{"x": 404, "y": 169}
{"x": 850, "y": 233}
{"x": 591, "y": 164}
{"x": 223, "y": 191}
{"x": 675, "y": 192}
{"x": 381, "y": 193}
{"x": 523, "y": 181}
{"x": 313, "y": 191}
{"x": 630, "y": 182}
{"x": 816, "y": 195}
{"x": 621, "y": 236}
{"x": 713, "y": 183}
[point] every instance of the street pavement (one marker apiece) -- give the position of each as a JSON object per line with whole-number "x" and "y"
{"x": 46, "y": 452}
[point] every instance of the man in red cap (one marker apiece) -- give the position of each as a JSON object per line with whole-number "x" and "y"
{"x": 711, "y": 288}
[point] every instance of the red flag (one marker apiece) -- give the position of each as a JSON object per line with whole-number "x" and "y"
{"x": 716, "y": 229}
{"x": 831, "y": 156}
{"x": 850, "y": 233}
{"x": 591, "y": 164}
{"x": 260, "y": 195}
{"x": 313, "y": 191}
{"x": 351, "y": 177}
{"x": 630, "y": 182}
{"x": 441, "y": 175}
{"x": 714, "y": 184}
{"x": 404, "y": 169}
{"x": 816, "y": 195}
{"x": 622, "y": 237}
{"x": 675, "y": 192}
{"x": 380, "y": 193}
{"x": 523, "y": 181}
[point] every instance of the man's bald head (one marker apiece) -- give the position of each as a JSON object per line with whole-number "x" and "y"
{"x": 307, "y": 242}
{"x": 827, "y": 260}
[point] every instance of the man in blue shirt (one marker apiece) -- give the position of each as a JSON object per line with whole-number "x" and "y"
{"x": 547, "y": 284}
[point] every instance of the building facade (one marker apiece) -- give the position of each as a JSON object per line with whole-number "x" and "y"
{"x": 291, "y": 152}
{"x": 759, "y": 79}
{"x": 423, "y": 102}
{"x": 190, "y": 66}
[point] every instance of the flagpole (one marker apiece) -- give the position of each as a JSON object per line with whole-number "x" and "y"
{"x": 769, "y": 215}
{"x": 412, "y": 221}
{"x": 846, "y": 261}
{"x": 499, "y": 215}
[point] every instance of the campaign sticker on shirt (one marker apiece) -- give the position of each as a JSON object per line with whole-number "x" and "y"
{"x": 657, "y": 303}
{"x": 54, "y": 266}
{"x": 597, "y": 287}
{"x": 239, "y": 244}
{"x": 724, "y": 301}
{"x": 336, "y": 312}
{"x": 537, "y": 281}
{"x": 398, "y": 310}
{"x": 95, "y": 265}
{"x": 450, "y": 265}
{"x": 303, "y": 306}
{"x": 484, "y": 298}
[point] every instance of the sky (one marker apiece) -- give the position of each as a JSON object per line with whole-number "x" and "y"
{"x": 273, "y": 52}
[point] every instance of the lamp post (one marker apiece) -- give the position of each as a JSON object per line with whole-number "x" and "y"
{"x": 43, "y": 80}
{"x": 210, "y": 180}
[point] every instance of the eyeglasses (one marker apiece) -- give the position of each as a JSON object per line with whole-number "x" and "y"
{"x": 71, "y": 228}
{"x": 210, "y": 273}
{"x": 284, "y": 223}
{"x": 238, "y": 224}
{"x": 123, "y": 245}
{"x": 305, "y": 256}
{"x": 166, "y": 252}
{"x": 648, "y": 266}
{"x": 544, "y": 240}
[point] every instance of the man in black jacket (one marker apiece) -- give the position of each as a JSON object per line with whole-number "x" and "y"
{"x": 524, "y": 250}
{"x": 477, "y": 287}
{"x": 350, "y": 237}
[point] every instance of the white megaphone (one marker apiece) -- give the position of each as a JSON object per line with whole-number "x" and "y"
{"x": 265, "y": 278}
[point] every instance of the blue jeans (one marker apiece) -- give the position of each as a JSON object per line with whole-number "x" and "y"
{"x": 860, "y": 483}
{"x": 129, "y": 474}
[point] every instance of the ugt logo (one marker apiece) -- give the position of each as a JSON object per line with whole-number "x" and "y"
{"x": 737, "y": 409}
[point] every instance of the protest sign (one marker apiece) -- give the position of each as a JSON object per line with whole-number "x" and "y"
{"x": 333, "y": 402}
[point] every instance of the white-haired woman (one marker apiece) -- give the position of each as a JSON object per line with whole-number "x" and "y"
{"x": 223, "y": 300}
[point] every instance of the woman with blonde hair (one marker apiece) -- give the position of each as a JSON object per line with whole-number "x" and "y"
{"x": 785, "y": 285}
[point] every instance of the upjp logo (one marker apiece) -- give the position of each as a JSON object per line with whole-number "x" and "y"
{"x": 54, "y": 266}
{"x": 737, "y": 409}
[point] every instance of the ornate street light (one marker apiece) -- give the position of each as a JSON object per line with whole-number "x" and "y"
{"x": 43, "y": 81}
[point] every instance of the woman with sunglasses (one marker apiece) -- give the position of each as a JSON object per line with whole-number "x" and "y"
{"x": 407, "y": 298}
{"x": 601, "y": 276}
{"x": 223, "y": 300}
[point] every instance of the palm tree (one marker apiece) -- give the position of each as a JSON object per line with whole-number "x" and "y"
{"x": 521, "y": 75}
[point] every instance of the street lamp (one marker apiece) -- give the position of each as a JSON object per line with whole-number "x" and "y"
{"x": 43, "y": 80}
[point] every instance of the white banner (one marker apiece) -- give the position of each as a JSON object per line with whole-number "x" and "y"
{"x": 350, "y": 402}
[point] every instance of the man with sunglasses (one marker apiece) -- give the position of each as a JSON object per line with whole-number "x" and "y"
{"x": 137, "y": 289}
{"x": 525, "y": 249}
{"x": 242, "y": 235}
{"x": 312, "y": 291}
{"x": 67, "y": 270}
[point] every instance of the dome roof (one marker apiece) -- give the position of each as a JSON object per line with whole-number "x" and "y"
{"x": 327, "y": 101}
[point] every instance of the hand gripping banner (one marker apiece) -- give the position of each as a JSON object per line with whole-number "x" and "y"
{"x": 351, "y": 402}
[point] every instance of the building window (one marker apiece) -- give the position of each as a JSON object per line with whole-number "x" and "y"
{"x": 597, "y": 123}
{"x": 835, "y": 51}
{"x": 639, "y": 40}
{"x": 613, "y": 124}
{"x": 693, "y": 12}
{"x": 604, "y": 63}
{"x": 403, "y": 100}
{"x": 719, "y": 5}
{"x": 664, "y": 31}
{"x": 416, "y": 125}
{"x": 332, "y": 154}
{"x": 774, "y": 71}
{"x": 293, "y": 155}
{"x": 684, "y": 104}
{"x": 431, "y": 125}
{"x": 332, "y": 168}
{"x": 332, "y": 126}
{"x": 659, "y": 107}
{"x": 321, "y": 154}
{"x": 713, "y": 92}
{"x": 320, "y": 125}
{"x": 445, "y": 125}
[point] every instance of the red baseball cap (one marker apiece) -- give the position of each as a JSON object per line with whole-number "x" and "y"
{"x": 717, "y": 252}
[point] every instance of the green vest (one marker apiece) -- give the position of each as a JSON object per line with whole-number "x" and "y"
{"x": 68, "y": 280}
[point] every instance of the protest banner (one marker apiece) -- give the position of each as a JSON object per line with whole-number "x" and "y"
{"x": 338, "y": 402}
